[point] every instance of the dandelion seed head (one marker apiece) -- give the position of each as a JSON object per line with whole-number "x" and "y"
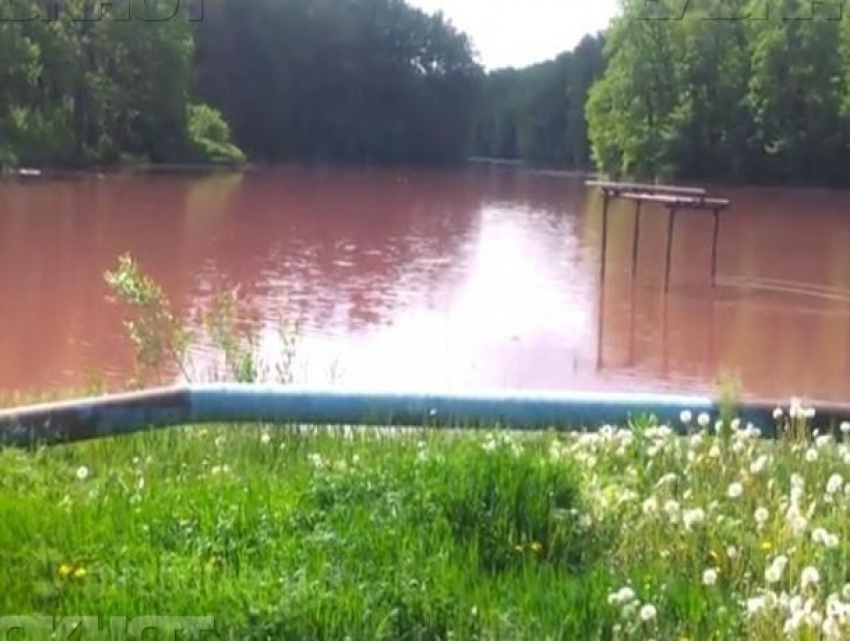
{"x": 686, "y": 417}
{"x": 773, "y": 574}
{"x": 735, "y": 490}
{"x": 810, "y": 577}
{"x": 648, "y": 613}
{"x": 650, "y": 505}
{"x": 761, "y": 515}
{"x": 709, "y": 577}
{"x": 703, "y": 419}
{"x": 757, "y": 466}
{"x": 835, "y": 484}
{"x": 82, "y": 473}
{"x": 693, "y": 517}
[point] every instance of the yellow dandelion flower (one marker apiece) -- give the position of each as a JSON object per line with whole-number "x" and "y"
{"x": 536, "y": 547}
{"x": 80, "y": 573}
{"x": 65, "y": 570}
{"x": 518, "y": 548}
{"x": 766, "y": 546}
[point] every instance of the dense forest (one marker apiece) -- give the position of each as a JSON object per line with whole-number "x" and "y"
{"x": 537, "y": 114}
{"x": 692, "y": 93}
{"x": 729, "y": 88}
{"x": 360, "y": 80}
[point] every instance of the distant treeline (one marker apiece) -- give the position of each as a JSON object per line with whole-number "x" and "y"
{"x": 663, "y": 94}
{"x": 353, "y": 80}
{"x": 537, "y": 114}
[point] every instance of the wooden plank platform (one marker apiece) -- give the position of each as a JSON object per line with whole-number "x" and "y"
{"x": 679, "y": 202}
{"x": 673, "y": 198}
{"x": 645, "y": 188}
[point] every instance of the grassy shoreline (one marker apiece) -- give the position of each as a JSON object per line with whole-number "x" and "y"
{"x": 629, "y": 533}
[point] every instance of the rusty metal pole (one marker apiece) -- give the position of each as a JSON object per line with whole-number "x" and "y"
{"x": 714, "y": 247}
{"x": 670, "y": 228}
{"x": 605, "y": 201}
{"x": 636, "y": 238}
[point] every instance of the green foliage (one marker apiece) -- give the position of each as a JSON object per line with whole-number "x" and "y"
{"x": 709, "y": 96}
{"x": 318, "y": 533}
{"x": 209, "y": 135}
{"x": 362, "y": 80}
{"x": 159, "y": 339}
{"x": 537, "y": 114}
{"x": 304, "y": 535}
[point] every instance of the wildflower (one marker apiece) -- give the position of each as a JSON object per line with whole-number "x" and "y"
{"x": 648, "y": 612}
{"x": 709, "y": 577}
{"x": 845, "y": 428}
{"x": 536, "y": 547}
{"x": 735, "y": 490}
{"x": 82, "y": 473}
{"x": 757, "y": 466}
{"x": 650, "y": 505}
{"x": 835, "y": 484}
{"x": 686, "y": 417}
{"x": 773, "y": 574}
{"x": 672, "y": 509}
{"x": 518, "y": 548}
{"x": 621, "y": 596}
{"x": 693, "y": 517}
{"x": 666, "y": 479}
{"x": 755, "y": 605}
{"x": 703, "y": 420}
{"x": 317, "y": 461}
{"x": 819, "y": 535}
{"x": 66, "y": 570}
{"x": 266, "y": 438}
{"x": 766, "y": 546}
{"x": 809, "y": 577}
{"x": 824, "y": 440}
{"x": 731, "y": 551}
{"x": 761, "y": 516}
{"x": 811, "y": 455}
{"x": 777, "y": 413}
{"x": 80, "y": 573}
{"x": 714, "y": 452}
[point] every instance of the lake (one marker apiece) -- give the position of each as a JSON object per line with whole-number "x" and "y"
{"x": 433, "y": 279}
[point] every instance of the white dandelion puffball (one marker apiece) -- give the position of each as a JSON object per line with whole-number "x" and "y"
{"x": 648, "y": 612}
{"x": 735, "y": 490}
{"x": 82, "y": 473}
{"x": 709, "y": 577}
{"x": 686, "y": 417}
{"x": 809, "y": 577}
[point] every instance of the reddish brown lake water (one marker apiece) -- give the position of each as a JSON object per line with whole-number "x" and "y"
{"x": 427, "y": 279}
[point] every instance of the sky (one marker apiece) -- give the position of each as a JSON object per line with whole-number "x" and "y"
{"x": 521, "y": 32}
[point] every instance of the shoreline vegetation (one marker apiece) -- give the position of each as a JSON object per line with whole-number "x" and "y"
{"x": 667, "y": 96}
